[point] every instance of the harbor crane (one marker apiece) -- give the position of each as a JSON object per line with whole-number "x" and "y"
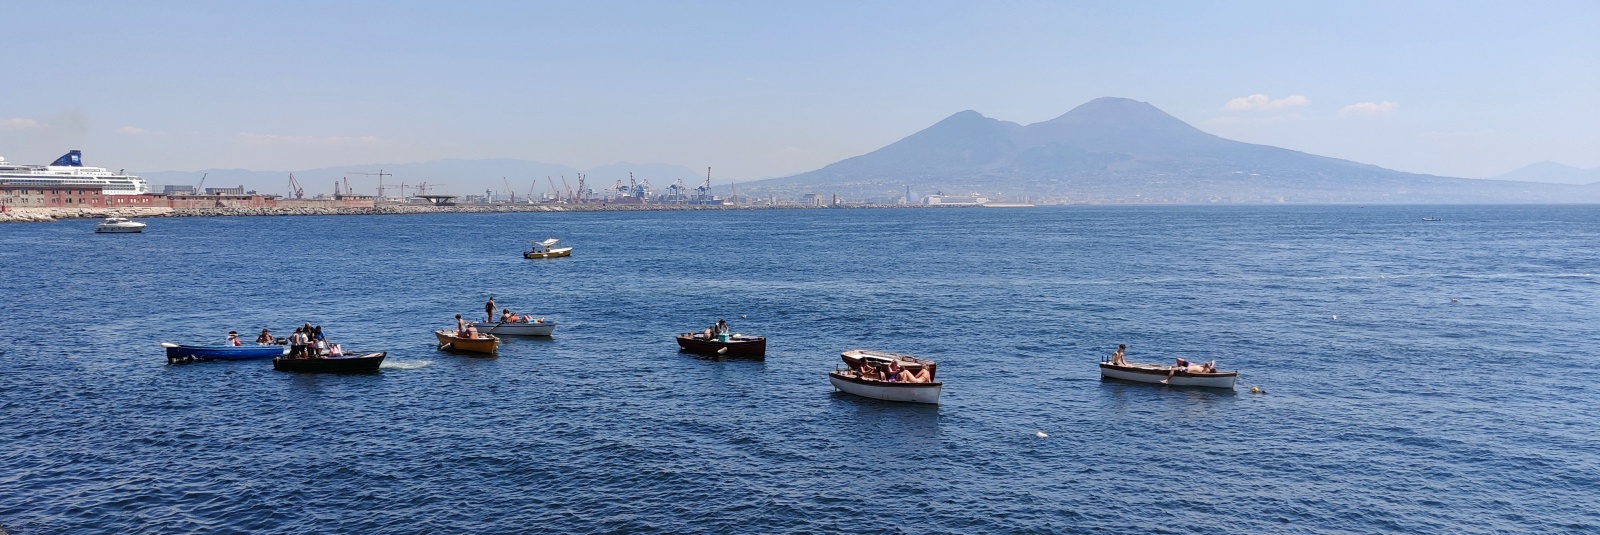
{"x": 509, "y": 191}
{"x": 568, "y": 187}
{"x": 380, "y": 174}
{"x": 295, "y": 189}
{"x": 197, "y": 189}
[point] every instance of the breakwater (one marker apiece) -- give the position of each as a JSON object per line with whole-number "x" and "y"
{"x": 20, "y": 215}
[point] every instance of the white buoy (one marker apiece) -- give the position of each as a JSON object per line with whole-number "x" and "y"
{"x": 1335, "y": 316}
{"x": 1040, "y": 434}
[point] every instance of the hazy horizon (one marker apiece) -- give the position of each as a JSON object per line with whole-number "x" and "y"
{"x": 774, "y": 89}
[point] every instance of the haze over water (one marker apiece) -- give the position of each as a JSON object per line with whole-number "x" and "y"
{"x": 1421, "y": 376}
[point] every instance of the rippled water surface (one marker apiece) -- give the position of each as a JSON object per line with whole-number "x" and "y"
{"x": 1432, "y": 377}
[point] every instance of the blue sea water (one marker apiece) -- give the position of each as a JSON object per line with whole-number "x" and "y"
{"x": 1420, "y": 377}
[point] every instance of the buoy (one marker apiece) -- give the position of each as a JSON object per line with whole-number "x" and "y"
{"x": 741, "y": 316}
{"x": 1040, "y": 434}
{"x": 1255, "y": 390}
{"x": 1335, "y": 316}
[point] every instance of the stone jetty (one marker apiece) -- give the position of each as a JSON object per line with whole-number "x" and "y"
{"x": 13, "y": 214}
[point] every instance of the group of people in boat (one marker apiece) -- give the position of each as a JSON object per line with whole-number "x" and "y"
{"x": 307, "y": 342}
{"x": 893, "y": 373}
{"x": 1179, "y": 364}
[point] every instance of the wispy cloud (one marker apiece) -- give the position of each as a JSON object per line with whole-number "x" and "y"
{"x": 327, "y": 141}
{"x": 18, "y": 123}
{"x": 1369, "y": 109}
{"x": 1259, "y": 101}
{"x": 136, "y": 131}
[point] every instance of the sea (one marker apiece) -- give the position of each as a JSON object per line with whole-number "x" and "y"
{"x": 1397, "y": 375}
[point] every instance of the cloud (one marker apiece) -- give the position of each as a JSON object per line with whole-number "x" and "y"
{"x": 327, "y": 141}
{"x": 1369, "y": 109}
{"x": 18, "y": 123}
{"x": 1259, "y": 101}
{"x": 136, "y": 131}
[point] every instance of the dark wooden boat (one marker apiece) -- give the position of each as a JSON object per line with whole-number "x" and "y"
{"x": 736, "y": 346}
{"x": 348, "y": 364}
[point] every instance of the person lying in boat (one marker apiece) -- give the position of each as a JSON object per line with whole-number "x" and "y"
{"x": 233, "y": 339}
{"x": 1189, "y": 367}
{"x": 921, "y": 376}
{"x": 265, "y": 339}
{"x": 1116, "y": 356}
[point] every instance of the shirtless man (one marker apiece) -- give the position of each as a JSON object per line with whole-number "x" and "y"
{"x": 1116, "y": 357}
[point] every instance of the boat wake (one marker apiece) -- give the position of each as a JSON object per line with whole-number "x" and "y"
{"x": 403, "y": 365}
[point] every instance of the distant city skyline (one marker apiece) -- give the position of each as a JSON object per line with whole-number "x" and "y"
{"x": 769, "y": 89}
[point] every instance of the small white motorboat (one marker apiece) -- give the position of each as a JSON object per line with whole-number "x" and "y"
{"x": 547, "y": 249}
{"x": 866, "y": 383}
{"x": 1173, "y": 375}
{"x": 118, "y": 225}
{"x": 543, "y": 327}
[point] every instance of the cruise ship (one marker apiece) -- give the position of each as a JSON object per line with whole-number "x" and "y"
{"x": 68, "y": 170}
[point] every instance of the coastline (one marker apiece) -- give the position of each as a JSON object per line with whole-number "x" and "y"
{"x": 45, "y": 215}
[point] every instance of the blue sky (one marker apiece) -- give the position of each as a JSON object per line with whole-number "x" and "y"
{"x": 762, "y": 89}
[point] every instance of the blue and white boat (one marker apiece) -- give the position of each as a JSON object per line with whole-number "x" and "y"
{"x": 180, "y": 352}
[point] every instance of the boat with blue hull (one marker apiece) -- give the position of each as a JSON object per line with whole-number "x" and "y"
{"x": 183, "y": 353}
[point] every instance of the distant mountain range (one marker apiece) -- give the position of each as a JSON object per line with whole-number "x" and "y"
{"x": 1110, "y": 150}
{"x": 1121, "y": 150}
{"x": 455, "y": 177}
{"x": 1553, "y": 173}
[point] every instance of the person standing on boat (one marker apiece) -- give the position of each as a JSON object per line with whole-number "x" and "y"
{"x": 297, "y": 343}
{"x": 488, "y": 309}
{"x": 461, "y": 325}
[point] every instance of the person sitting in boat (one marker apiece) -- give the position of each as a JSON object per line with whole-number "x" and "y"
{"x": 507, "y": 317}
{"x": 894, "y": 373}
{"x": 461, "y": 326}
{"x": 1189, "y": 367}
{"x": 334, "y": 351}
{"x": 472, "y": 331}
{"x": 265, "y": 339}
{"x": 869, "y": 372}
{"x": 1116, "y": 357}
{"x": 233, "y": 339}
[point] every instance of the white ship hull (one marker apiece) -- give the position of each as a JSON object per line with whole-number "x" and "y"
{"x": 907, "y": 392}
{"x": 68, "y": 170}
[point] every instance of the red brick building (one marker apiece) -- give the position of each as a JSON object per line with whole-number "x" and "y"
{"x": 20, "y": 196}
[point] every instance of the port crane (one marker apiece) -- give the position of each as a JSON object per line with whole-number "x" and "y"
{"x": 197, "y": 188}
{"x": 380, "y": 174}
{"x": 295, "y": 189}
{"x": 565, "y": 185}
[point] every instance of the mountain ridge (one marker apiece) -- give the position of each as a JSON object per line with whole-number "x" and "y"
{"x": 1122, "y": 150}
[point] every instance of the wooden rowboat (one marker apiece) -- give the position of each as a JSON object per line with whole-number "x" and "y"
{"x": 736, "y": 346}
{"x": 181, "y": 352}
{"x": 484, "y": 343}
{"x": 850, "y": 380}
{"x": 346, "y": 364}
{"x": 1155, "y": 373}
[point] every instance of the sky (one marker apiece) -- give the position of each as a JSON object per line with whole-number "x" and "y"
{"x": 772, "y": 88}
